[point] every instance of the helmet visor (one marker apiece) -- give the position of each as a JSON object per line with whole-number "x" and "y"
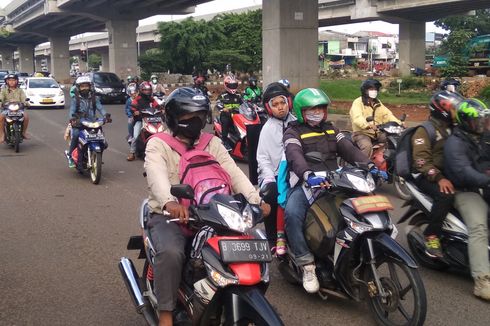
{"x": 233, "y": 85}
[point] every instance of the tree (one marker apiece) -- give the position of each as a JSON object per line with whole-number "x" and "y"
{"x": 478, "y": 24}
{"x": 218, "y": 59}
{"x": 94, "y": 60}
{"x": 454, "y": 46}
{"x": 152, "y": 61}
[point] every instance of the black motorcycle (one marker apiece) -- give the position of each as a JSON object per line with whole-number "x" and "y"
{"x": 350, "y": 233}
{"x": 13, "y": 127}
{"x": 224, "y": 278}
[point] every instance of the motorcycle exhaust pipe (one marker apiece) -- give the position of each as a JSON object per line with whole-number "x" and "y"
{"x": 130, "y": 277}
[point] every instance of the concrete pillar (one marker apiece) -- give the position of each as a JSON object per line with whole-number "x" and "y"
{"x": 26, "y": 58}
{"x": 412, "y": 46}
{"x": 123, "y": 58}
{"x": 60, "y": 58}
{"x": 290, "y": 42}
{"x": 7, "y": 59}
{"x": 105, "y": 61}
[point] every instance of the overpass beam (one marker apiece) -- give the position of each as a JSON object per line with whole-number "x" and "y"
{"x": 123, "y": 58}
{"x": 7, "y": 59}
{"x": 60, "y": 58}
{"x": 412, "y": 46}
{"x": 26, "y": 58}
{"x": 290, "y": 42}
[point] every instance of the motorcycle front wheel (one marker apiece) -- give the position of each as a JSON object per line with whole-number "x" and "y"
{"x": 96, "y": 167}
{"x": 209, "y": 117}
{"x": 17, "y": 138}
{"x": 405, "y": 301}
{"x": 401, "y": 188}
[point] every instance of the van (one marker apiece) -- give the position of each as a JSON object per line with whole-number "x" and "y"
{"x": 108, "y": 87}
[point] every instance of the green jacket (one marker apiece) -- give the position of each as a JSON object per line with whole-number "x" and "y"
{"x": 252, "y": 94}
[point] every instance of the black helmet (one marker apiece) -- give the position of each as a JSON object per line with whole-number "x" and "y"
{"x": 182, "y": 101}
{"x": 273, "y": 90}
{"x": 473, "y": 116}
{"x": 252, "y": 81}
{"x": 442, "y": 103}
{"x": 450, "y": 81}
{"x": 11, "y": 76}
{"x": 369, "y": 83}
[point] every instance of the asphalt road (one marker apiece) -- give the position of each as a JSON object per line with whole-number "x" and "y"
{"x": 61, "y": 238}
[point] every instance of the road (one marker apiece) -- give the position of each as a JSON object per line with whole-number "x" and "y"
{"x": 61, "y": 238}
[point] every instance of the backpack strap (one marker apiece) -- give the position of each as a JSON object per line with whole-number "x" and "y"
{"x": 179, "y": 147}
{"x": 431, "y": 131}
{"x": 204, "y": 141}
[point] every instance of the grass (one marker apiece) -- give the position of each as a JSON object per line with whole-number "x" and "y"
{"x": 348, "y": 90}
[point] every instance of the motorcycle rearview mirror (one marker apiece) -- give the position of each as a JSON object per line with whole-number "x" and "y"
{"x": 182, "y": 191}
{"x": 370, "y": 119}
{"x": 314, "y": 157}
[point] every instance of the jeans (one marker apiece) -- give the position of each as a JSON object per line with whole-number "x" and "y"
{"x": 130, "y": 126}
{"x": 474, "y": 210}
{"x": 74, "y": 139}
{"x": 365, "y": 143}
{"x": 136, "y": 133}
{"x": 295, "y": 213}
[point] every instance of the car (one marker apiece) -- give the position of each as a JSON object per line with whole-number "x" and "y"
{"x": 44, "y": 92}
{"x": 3, "y": 73}
{"x": 108, "y": 87}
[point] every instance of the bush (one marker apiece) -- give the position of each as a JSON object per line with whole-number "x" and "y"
{"x": 485, "y": 94}
{"x": 408, "y": 83}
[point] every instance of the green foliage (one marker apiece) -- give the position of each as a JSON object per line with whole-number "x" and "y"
{"x": 479, "y": 23}
{"x": 454, "y": 46}
{"x": 485, "y": 94}
{"x": 152, "y": 60}
{"x": 4, "y": 32}
{"x": 218, "y": 59}
{"x": 408, "y": 83}
{"x": 94, "y": 60}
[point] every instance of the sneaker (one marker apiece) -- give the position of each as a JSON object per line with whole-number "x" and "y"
{"x": 281, "y": 246}
{"x": 131, "y": 157}
{"x": 71, "y": 163}
{"x": 433, "y": 246}
{"x": 482, "y": 287}
{"x": 310, "y": 281}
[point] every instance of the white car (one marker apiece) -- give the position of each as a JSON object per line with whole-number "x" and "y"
{"x": 44, "y": 92}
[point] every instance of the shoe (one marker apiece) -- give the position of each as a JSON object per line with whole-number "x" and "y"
{"x": 281, "y": 246}
{"x": 433, "y": 246}
{"x": 482, "y": 287}
{"x": 131, "y": 157}
{"x": 310, "y": 281}
{"x": 71, "y": 163}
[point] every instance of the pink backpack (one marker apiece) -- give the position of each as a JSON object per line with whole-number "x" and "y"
{"x": 199, "y": 169}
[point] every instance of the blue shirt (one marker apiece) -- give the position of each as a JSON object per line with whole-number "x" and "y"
{"x": 86, "y": 109}
{"x": 127, "y": 108}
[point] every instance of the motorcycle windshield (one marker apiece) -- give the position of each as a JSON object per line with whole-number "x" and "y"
{"x": 94, "y": 124}
{"x": 247, "y": 111}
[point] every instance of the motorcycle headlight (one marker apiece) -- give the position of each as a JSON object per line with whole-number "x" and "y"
{"x": 358, "y": 227}
{"x": 218, "y": 278}
{"x": 13, "y": 107}
{"x": 365, "y": 185}
{"x": 236, "y": 221}
{"x": 92, "y": 125}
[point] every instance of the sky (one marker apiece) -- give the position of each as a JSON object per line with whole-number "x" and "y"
{"x": 225, "y": 5}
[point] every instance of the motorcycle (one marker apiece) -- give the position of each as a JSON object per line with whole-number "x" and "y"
{"x": 91, "y": 144}
{"x": 454, "y": 236}
{"x": 259, "y": 108}
{"x": 160, "y": 98}
{"x": 384, "y": 154}
{"x": 226, "y": 282}
{"x": 246, "y": 116}
{"x": 358, "y": 256}
{"x": 152, "y": 123}
{"x": 13, "y": 127}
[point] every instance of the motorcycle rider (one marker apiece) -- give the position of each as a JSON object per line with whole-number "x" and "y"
{"x": 462, "y": 154}
{"x": 253, "y": 93}
{"x": 450, "y": 85}
{"x": 199, "y": 84}
{"x": 83, "y": 105}
{"x": 278, "y": 104}
{"x": 142, "y": 101}
{"x": 12, "y": 93}
{"x": 131, "y": 83}
{"x": 228, "y": 102}
{"x": 428, "y": 164}
{"x": 310, "y": 133}
{"x": 185, "y": 112}
{"x": 133, "y": 93}
{"x": 157, "y": 88}
{"x": 368, "y": 105}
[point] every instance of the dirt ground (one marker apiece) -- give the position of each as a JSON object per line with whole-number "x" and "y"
{"x": 415, "y": 112}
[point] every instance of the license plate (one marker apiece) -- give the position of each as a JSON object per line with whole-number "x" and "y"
{"x": 239, "y": 251}
{"x": 154, "y": 119}
{"x": 47, "y": 100}
{"x": 95, "y": 137}
{"x": 15, "y": 114}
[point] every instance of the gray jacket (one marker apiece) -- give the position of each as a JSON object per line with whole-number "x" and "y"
{"x": 271, "y": 148}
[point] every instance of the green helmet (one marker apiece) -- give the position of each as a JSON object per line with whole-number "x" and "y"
{"x": 308, "y": 98}
{"x": 473, "y": 116}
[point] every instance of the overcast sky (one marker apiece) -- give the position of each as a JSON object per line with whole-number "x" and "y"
{"x": 225, "y": 5}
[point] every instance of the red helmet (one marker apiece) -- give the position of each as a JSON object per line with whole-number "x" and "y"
{"x": 145, "y": 88}
{"x": 231, "y": 84}
{"x": 442, "y": 103}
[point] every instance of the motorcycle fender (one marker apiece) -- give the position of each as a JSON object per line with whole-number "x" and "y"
{"x": 384, "y": 245}
{"x": 244, "y": 302}
{"x": 95, "y": 147}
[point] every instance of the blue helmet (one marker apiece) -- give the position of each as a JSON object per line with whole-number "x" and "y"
{"x": 285, "y": 82}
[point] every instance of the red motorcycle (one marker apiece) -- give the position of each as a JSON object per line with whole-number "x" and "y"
{"x": 246, "y": 116}
{"x": 152, "y": 123}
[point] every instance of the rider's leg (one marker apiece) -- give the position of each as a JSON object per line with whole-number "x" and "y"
{"x": 25, "y": 125}
{"x": 226, "y": 123}
{"x": 136, "y": 133}
{"x": 474, "y": 211}
{"x": 281, "y": 238}
{"x": 2, "y": 127}
{"x": 74, "y": 139}
{"x": 364, "y": 143}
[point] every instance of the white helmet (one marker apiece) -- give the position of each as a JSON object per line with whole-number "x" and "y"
{"x": 83, "y": 80}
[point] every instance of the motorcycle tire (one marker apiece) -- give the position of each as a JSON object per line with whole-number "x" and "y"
{"x": 397, "y": 294}
{"x": 96, "y": 168}
{"x": 17, "y": 139}
{"x": 401, "y": 188}
{"x": 288, "y": 273}
{"x": 209, "y": 117}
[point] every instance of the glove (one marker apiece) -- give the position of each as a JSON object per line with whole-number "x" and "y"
{"x": 108, "y": 118}
{"x": 378, "y": 173}
{"x": 268, "y": 192}
{"x": 314, "y": 181}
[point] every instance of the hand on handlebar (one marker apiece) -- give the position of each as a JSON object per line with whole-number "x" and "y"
{"x": 176, "y": 210}
{"x": 378, "y": 173}
{"x": 136, "y": 113}
{"x": 315, "y": 181}
{"x": 266, "y": 209}
{"x": 108, "y": 118}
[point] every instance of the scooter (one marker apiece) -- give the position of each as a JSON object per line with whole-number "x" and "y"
{"x": 91, "y": 144}
{"x": 13, "y": 127}
{"x": 454, "y": 237}
{"x": 351, "y": 235}
{"x": 246, "y": 116}
{"x": 152, "y": 123}
{"x": 225, "y": 282}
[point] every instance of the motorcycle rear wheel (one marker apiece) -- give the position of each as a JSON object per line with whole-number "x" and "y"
{"x": 17, "y": 138}
{"x": 394, "y": 310}
{"x": 401, "y": 188}
{"x": 96, "y": 168}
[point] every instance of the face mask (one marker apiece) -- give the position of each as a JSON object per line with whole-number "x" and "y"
{"x": 372, "y": 94}
{"x": 314, "y": 118}
{"x": 84, "y": 92}
{"x": 154, "y": 81}
{"x": 451, "y": 88}
{"x": 190, "y": 128}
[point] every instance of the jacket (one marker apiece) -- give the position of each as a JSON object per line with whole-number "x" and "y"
{"x": 162, "y": 169}
{"x": 15, "y": 95}
{"x": 253, "y": 94}
{"x": 127, "y": 107}
{"x": 427, "y": 159}
{"x": 300, "y": 139}
{"x": 228, "y": 101}
{"x": 86, "y": 109}
{"x": 270, "y": 148}
{"x": 140, "y": 103}
{"x": 360, "y": 110}
{"x": 462, "y": 155}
